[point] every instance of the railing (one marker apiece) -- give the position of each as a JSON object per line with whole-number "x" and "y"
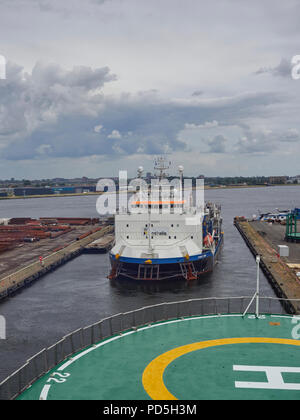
{"x": 47, "y": 359}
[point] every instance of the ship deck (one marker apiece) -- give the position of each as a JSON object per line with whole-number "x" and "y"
{"x": 217, "y": 357}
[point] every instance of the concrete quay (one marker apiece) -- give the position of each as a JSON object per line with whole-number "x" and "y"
{"x": 23, "y": 265}
{"x": 263, "y": 239}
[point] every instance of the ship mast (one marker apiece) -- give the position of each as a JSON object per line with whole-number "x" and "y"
{"x": 161, "y": 165}
{"x": 140, "y": 172}
{"x": 149, "y": 228}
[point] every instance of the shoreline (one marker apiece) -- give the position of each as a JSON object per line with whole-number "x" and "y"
{"x": 225, "y": 187}
{"x": 21, "y": 197}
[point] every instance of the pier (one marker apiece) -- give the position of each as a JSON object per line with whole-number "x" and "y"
{"x": 25, "y": 264}
{"x": 263, "y": 239}
{"x": 100, "y": 246}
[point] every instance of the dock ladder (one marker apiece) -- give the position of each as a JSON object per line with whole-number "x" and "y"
{"x": 148, "y": 272}
{"x": 188, "y": 271}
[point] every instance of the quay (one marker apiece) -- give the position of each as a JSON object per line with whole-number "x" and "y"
{"x": 26, "y": 263}
{"x": 100, "y": 246}
{"x": 263, "y": 239}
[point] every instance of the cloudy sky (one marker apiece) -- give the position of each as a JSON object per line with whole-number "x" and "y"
{"x": 94, "y": 86}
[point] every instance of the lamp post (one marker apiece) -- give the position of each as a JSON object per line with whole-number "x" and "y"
{"x": 257, "y": 285}
{"x": 256, "y": 294}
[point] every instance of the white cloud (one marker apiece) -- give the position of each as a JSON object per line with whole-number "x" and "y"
{"x": 115, "y": 134}
{"x": 207, "y": 124}
{"x": 44, "y": 149}
{"x": 98, "y": 128}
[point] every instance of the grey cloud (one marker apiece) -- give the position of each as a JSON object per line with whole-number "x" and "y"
{"x": 291, "y": 136}
{"x": 197, "y": 93}
{"x": 217, "y": 144}
{"x": 265, "y": 141}
{"x": 80, "y": 76}
{"x": 30, "y": 102}
{"x": 283, "y": 69}
{"x": 53, "y": 113}
{"x": 51, "y": 5}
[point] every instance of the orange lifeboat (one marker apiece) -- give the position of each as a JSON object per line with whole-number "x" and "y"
{"x": 208, "y": 240}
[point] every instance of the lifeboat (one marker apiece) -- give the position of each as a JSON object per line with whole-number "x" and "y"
{"x": 208, "y": 240}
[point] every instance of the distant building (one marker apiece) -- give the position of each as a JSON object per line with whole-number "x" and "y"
{"x": 278, "y": 179}
{"x": 294, "y": 180}
{"x": 63, "y": 190}
{"x": 32, "y": 191}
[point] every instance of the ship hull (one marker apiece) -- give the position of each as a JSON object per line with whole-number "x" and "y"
{"x": 166, "y": 269}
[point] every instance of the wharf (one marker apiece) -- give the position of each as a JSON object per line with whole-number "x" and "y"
{"x": 100, "y": 246}
{"x": 22, "y": 265}
{"x": 263, "y": 239}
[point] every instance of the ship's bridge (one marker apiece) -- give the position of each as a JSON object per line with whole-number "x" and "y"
{"x": 168, "y": 234}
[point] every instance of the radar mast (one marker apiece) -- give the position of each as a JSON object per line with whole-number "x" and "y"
{"x": 161, "y": 165}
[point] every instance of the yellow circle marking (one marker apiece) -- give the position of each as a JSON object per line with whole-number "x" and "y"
{"x": 153, "y": 374}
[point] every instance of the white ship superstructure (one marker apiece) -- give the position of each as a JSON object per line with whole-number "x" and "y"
{"x": 165, "y": 235}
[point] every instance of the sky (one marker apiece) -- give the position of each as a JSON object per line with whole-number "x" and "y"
{"x": 95, "y": 86}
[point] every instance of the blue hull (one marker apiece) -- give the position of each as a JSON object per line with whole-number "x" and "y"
{"x": 165, "y": 268}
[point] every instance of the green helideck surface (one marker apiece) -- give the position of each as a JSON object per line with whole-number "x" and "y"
{"x": 113, "y": 370}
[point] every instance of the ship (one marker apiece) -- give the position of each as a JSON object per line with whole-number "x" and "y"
{"x": 166, "y": 236}
{"x": 218, "y": 348}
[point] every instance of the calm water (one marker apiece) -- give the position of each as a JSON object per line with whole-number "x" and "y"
{"x": 79, "y": 293}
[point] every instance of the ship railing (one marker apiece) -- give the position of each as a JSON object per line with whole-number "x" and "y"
{"x": 47, "y": 359}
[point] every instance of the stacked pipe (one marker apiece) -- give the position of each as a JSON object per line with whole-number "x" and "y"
{"x": 88, "y": 233}
{"x": 25, "y": 229}
{"x": 21, "y": 230}
{"x": 80, "y": 221}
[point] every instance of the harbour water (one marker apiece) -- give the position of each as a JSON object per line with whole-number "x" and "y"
{"x": 79, "y": 293}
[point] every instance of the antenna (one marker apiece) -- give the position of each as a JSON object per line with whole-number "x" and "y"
{"x": 161, "y": 165}
{"x": 140, "y": 171}
{"x": 180, "y": 170}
